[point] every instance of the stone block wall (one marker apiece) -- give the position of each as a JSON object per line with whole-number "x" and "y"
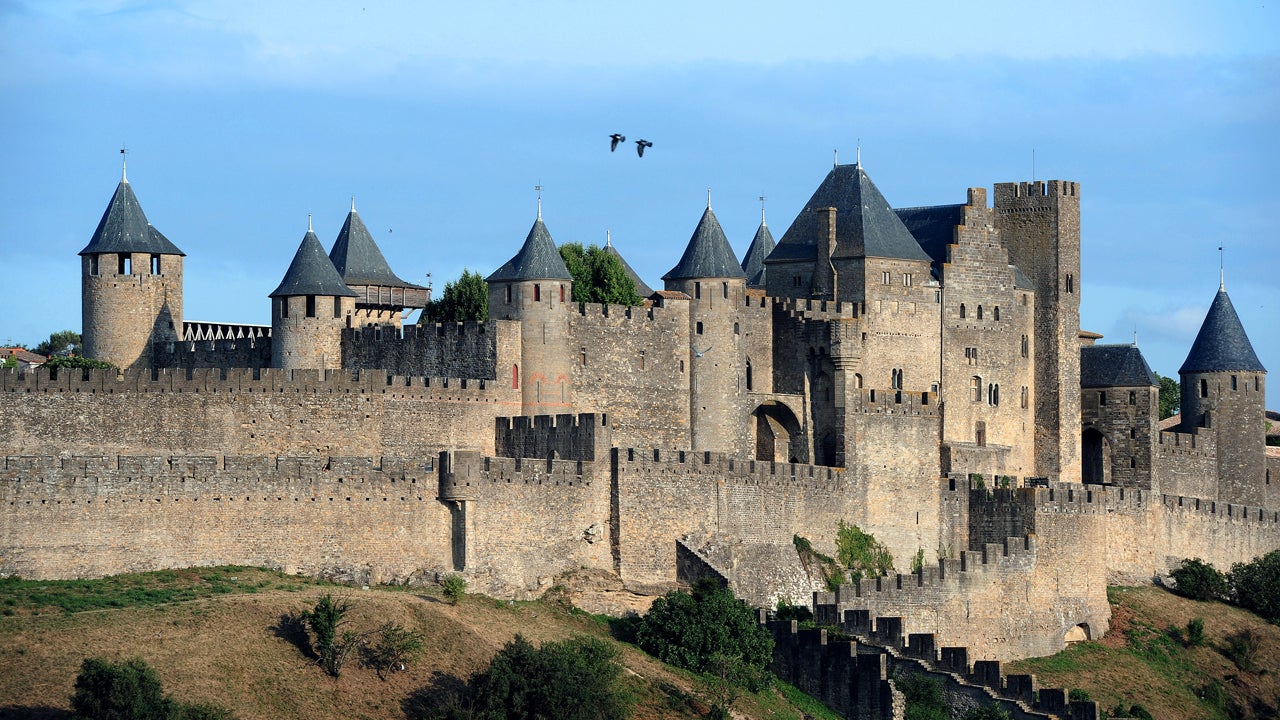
{"x": 462, "y": 350}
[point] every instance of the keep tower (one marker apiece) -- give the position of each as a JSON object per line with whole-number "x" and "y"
{"x": 1039, "y": 223}
{"x": 1224, "y": 388}
{"x": 710, "y": 274}
{"x": 535, "y": 288}
{"x": 130, "y": 285}
{"x": 309, "y": 310}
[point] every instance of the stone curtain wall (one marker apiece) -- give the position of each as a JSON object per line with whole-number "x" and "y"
{"x": 242, "y": 411}
{"x": 356, "y": 519}
{"x": 459, "y": 350}
{"x": 237, "y": 353}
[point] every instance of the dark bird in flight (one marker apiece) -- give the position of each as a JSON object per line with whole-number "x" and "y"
{"x": 641, "y": 145}
{"x": 615, "y": 139}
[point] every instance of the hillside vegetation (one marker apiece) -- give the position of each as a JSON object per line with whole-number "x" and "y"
{"x": 220, "y": 635}
{"x": 1150, "y": 658}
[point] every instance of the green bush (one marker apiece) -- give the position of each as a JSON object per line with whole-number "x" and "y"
{"x": 395, "y": 647}
{"x": 1199, "y": 580}
{"x": 687, "y": 629}
{"x": 126, "y": 691}
{"x": 453, "y": 587}
{"x": 1195, "y": 632}
{"x": 325, "y": 619}
{"x": 1242, "y": 648}
{"x": 575, "y": 679}
{"x": 861, "y": 553}
{"x": 799, "y": 613}
{"x": 1255, "y": 585}
{"x": 924, "y": 697}
{"x": 986, "y": 712}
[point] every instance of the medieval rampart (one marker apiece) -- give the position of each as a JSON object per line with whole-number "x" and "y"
{"x": 460, "y": 350}
{"x": 1186, "y": 464}
{"x": 247, "y": 411}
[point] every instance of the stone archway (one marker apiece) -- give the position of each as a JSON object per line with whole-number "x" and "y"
{"x": 779, "y": 436}
{"x": 1095, "y": 451}
{"x": 1077, "y": 633}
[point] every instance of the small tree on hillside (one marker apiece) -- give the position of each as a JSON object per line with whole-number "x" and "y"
{"x": 1255, "y": 585}
{"x": 862, "y": 553}
{"x": 325, "y": 619}
{"x": 1199, "y": 580}
{"x": 126, "y": 691}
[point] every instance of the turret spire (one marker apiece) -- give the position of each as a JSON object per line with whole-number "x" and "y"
{"x": 1222, "y": 272}
{"x": 538, "y": 188}
{"x": 608, "y": 238}
{"x": 353, "y": 203}
{"x": 708, "y": 198}
{"x": 762, "y": 222}
{"x": 309, "y": 228}
{"x": 124, "y": 165}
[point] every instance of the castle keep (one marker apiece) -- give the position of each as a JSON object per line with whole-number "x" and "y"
{"x": 919, "y": 372}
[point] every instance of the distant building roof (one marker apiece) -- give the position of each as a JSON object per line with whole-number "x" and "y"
{"x": 1221, "y": 345}
{"x": 753, "y": 264}
{"x": 865, "y": 224}
{"x": 1171, "y": 423}
{"x": 311, "y": 273}
{"x": 708, "y": 254}
{"x": 538, "y": 259}
{"x": 124, "y": 229}
{"x": 642, "y": 288}
{"x": 358, "y": 259}
{"x": 1114, "y": 366}
{"x": 23, "y": 355}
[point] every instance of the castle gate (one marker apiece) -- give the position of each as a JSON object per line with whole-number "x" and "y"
{"x": 779, "y": 436}
{"x": 1096, "y": 452}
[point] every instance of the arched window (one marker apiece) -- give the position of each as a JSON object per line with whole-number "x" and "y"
{"x": 1026, "y": 345}
{"x": 725, "y": 286}
{"x": 1204, "y": 388}
{"x": 995, "y": 313}
{"x": 735, "y": 328}
{"x": 1025, "y": 394}
{"x": 993, "y": 394}
{"x": 975, "y": 389}
{"x": 1071, "y": 283}
{"x": 515, "y": 377}
{"x": 562, "y": 293}
{"x": 962, "y": 313}
{"x": 1133, "y": 398}
{"x": 537, "y": 293}
{"x": 979, "y": 312}
{"x": 748, "y": 374}
{"x": 857, "y": 380}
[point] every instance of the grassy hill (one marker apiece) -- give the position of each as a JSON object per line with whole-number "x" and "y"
{"x": 1144, "y": 659}
{"x": 215, "y": 635}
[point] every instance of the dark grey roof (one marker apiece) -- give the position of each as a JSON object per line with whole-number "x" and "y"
{"x": 708, "y": 254}
{"x": 753, "y": 264}
{"x": 124, "y": 229}
{"x": 642, "y": 289}
{"x": 1222, "y": 344}
{"x": 538, "y": 259}
{"x": 1020, "y": 279}
{"x": 311, "y": 273}
{"x": 1114, "y": 366}
{"x": 357, "y": 258}
{"x": 865, "y": 224}
{"x": 933, "y": 227}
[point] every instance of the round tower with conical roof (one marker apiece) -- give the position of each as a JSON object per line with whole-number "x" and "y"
{"x": 535, "y": 288}
{"x": 1224, "y": 390}
{"x": 309, "y": 310}
{"x": 130, "y": 285}
{"x": 710, "y": 274}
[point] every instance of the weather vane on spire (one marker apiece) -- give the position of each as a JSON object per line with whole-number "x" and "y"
{"x": 608, "y": 238}
{"x": 858, "y": 161}
{"x": 538, "y": 188}
{"x": 835, "y": 157}
{"x": 762, "y": 210}
{"x": 124, "y": 162}
{"x": 1222, "y": 271}
{"x": 708, "y": 198}
{"x": 309, "y": 228}
{"x": 353, "y": 203}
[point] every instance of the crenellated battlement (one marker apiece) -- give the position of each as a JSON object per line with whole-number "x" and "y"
{"x": 1226, "y": 512}
{"x": 1024, "y": 194}
{"x": 571, "y": 437}
{"x": 244, "y": 380}
{"x": 1183, "y": 444}
{"x": 1015, "y": 554}
{"x": 458, "y": 349}
{"x": 727, "y": 469}
{"x": 888, "y": 401}
{"x": 469, "y": 475}
{"x": 816, "y": 310}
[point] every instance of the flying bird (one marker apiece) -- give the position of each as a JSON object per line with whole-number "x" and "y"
{"x": 614, "y": 140}
{"x": 700, "y": 353}
{"x": 641, "y": 145}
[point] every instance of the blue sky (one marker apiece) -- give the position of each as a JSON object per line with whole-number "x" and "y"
{"x": 441, "y": 117}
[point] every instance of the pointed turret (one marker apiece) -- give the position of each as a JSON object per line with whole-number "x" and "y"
{"x": 309, "y": 310}
{"x": 1221, "y": 345}
{"x": 642, "y": 288}
{"x": 538, "y": 259}
{"x": 761, "y": 245}
{"x": 131, "y": 285}
{"x": 383, "y": 296}
{"x": 708, "y": 254}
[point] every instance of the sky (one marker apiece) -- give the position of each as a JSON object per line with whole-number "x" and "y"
{"x": 441, "y": 118}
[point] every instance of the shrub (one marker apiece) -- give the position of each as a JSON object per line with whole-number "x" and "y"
{"x": 800, "y": 613}
{"x": 324, "y": 620}
{"x": 453, "y": 586}
{"x": 725, "y": 677}
{"x": 917, "y": 561}
{"x": 1242, "y": 648}
{"x": 1199, "y": 580}
{"x": 395, "y": 647}
{"x": 127, "y": 691}
{"x": 1195, "y": 632}
{"x": 986, "y": 712}
{"x": 924, "y": 697}
{"x": 861, "y": 553}
{"x": 575, "y": 679}
{"x": 1255, "y": 585}
{"x": 688, "y": 629}
{"x": 1078, "y": 695}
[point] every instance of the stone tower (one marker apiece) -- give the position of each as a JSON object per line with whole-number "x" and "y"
{"x": 753, "y": 262}
{"x": 130, "y": 285}
{"x": 1039, "y": 222}
{"x": 382, "y": 296}
{"x": 535, "y": 288}
{"x": 309, "y": 310}
{"x": 709, "y": 273}
{"x": 1224, "y": 392}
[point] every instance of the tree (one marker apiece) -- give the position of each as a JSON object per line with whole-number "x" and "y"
{"x": 453, "y": 587}
{"x": 861, "y": 553}
{"x": 923, "y": 695}
{"x": 74, "y": 361}
{"x": 1255, "y": 585}
{"x": 325, "y": 619}
{"x": 1170, "y": 396}
{"x": 1199, "y": 580}
{"x": 396, "y": 646}
{"x": 463, "y": 300}
{"x": 126, "y": 691}
{"x": 63, "y": 341}
{"x": 598, "y": 276}
{"x": 688, "y": 629}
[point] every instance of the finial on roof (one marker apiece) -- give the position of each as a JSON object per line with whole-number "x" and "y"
{"x": 538, "y": 187}
{"x": 309, "y": 228}
{"x": 353, "y": 203}
{"x": 708, "y": 198}
{"x": 762, "y": 210}
{"x": 124, "y": 163}
{"x": 835, "y": 157}
{"x": 858, "y": 162}
{"x": 1222, "y": 273}
{"x": 608, "y": 238}
{"x": 1135, "y": 335}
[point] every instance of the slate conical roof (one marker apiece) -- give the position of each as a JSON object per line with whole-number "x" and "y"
{"x": 357, "y": 258}
{"x": 311, "y": 273}
{"x": 865, "y": 224}
{"x": 1222, "y": 344}
{"x": 538, "y": 259}
{"x": 642, "y": 289}
{"x": 124, "y": 229}
{"x": 1114, "y": 366}
{"x": 708, "y": 254}
{"x": 753, "y": 264}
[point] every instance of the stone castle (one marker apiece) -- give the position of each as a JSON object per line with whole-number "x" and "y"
{"x": 919, "y": 372}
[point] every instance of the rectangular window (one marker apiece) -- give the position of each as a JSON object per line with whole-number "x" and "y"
{"x": 93, "y": 264}
{"x": 971, "y": 355}
{"x": 311, "y": 306}
{"x": 284, "y": 307}
{"x": 508, "y": 294}
{"x": 1102, "y": 397}
{"x": 155, "y": 264}
{"x": 337, "y": 307}
{"x": 537, "y": 293}
{"x": 697, "y": 291}
{"x": 699, "y": 328}
{"x": 726, "y": 290}
{"x": 125, "y": 265}
{"x": 906, "y": 279}
{"x": 885, "y": 277}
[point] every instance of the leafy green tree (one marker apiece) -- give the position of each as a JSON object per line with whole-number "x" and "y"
{"x": 1170, "y": 396}
{"x": 1255, "y": 585}
{"x": 129, "y": 690}
{"x": 453, "y": 587}
{"x": 60, "y": 342}
{"x": 598, "y": 276}
{"x": 75, "y": 361}
{"x": 463, "y": 300}
{"x": 325, "y": 619}
{"x": 1195, "y": 632}
{"x": 1199, "y": 580}
{"x": 861, "y": 553}
{"x": 687, "y": 629}
{"x": 10, "y": 362}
